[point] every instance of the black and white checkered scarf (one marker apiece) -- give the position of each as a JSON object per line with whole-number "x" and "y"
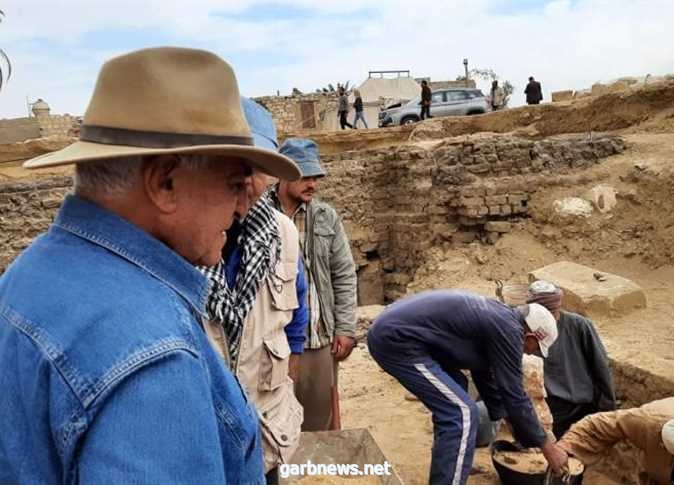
{"x": 260, "y": 245}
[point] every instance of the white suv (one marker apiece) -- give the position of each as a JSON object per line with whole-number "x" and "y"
{"x": 445, "y": 102}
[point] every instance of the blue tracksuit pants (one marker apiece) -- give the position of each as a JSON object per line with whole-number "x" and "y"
{"x": 455, "y": 414}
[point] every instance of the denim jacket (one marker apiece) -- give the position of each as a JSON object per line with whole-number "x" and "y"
{"x": 105, "y": 371}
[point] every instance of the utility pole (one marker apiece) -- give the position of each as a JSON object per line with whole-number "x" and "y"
{"x": 465, "y": 66}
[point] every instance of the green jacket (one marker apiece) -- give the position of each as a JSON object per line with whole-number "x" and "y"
{"x": 332, "y": 268}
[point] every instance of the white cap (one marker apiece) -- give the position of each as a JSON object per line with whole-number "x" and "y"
{"x": 668, "y": 436}
{"x": 542, "y": 286}
{"x": 543, "y": 325}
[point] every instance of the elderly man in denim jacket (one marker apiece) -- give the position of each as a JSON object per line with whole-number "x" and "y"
{"x": 106, "y": 373}
{"x": 331, "y": 275}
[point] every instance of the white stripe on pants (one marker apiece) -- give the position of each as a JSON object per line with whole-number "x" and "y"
{"x": 465, "y": 417}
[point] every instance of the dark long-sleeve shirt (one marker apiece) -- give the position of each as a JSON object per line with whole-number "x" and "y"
{"x": 576, "y": 369}
{"x": 534, "y": 92}
{"x": 462, "y": 330}
{"x": 426, "y": 93}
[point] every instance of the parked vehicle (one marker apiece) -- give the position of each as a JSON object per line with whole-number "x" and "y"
{"x": 445, "y": 102}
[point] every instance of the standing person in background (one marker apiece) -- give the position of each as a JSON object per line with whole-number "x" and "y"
{"x": 497, "y": 96}
{"x": 577, "y": 376}
{"x": 343, "y": 109}
{"x": 331, "y": 275}
{"x": 533, "y": 91}
{"x": 358, "y": 106}
{"x": 425, "y": 100}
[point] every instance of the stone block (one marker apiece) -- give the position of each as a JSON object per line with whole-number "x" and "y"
{"x": 590, "y": 291}
{"x": 603, "y": 197}
{"x": 496, "y": 199}
{"x": 480, "y": 168}
{"x": 464, "y": 237}
{"x": 492, "y": 237}
{"x": 498, "y": 226}
{"x": 471, "y": 201}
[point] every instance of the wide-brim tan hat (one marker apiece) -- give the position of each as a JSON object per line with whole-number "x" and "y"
{"x": 167, "y": 100}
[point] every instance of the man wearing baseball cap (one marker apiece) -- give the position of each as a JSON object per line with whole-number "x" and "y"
{"x": 427, "y": 340}
{"x": 106, "y": 371}
{"x": 650, "y": 428}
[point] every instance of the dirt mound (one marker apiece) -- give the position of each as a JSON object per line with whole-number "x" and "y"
{"x": 12, "y": 155}
{"x": 611, "y": 111}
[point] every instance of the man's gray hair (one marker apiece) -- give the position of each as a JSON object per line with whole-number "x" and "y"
{"x": 114, "y": 177}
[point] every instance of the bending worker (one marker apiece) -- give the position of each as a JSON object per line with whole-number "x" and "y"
{"x": 425, "y": 341}
{"x": 650, "y": 428}
{"x": 577, "y": 375}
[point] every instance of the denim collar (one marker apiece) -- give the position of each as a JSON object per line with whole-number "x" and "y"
{"x": 106, "y": 229}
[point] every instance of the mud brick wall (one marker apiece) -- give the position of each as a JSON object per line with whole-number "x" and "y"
{"x": 26, "y": 210}
{"x": 395, "y": 203}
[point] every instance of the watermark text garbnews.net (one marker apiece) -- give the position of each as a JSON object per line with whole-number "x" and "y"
{"x": 334, "y": 469}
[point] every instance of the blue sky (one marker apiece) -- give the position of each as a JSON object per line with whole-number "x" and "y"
{"x": 57, "y": 46}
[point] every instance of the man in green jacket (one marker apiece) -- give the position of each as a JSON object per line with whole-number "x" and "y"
{"x": 331, "y": 277}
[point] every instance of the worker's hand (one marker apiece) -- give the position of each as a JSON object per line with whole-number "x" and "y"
{"x": 342, "y": 347}
{"x": 294, "y": 367}
{"x": 557, "y": 458}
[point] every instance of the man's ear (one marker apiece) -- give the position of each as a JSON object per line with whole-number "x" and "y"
{"x": 158, "y": 174}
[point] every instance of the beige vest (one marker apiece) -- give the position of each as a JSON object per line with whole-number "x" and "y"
{"x": 262, "y": 366}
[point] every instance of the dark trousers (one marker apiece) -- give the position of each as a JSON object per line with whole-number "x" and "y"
{"x": 272, "y": 476}
{"x": 566, "y": 413}
{"x": 455, "y": 414}
{"x": 342, "y": 120}
{"x": 425, "y": 110}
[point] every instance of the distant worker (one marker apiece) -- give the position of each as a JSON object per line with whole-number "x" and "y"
{"x": 426, "y": 340}
{"x": 650, "y": 428}
{"x": 343, "y": 109}
{"x": 425, "y": 100}
{"x": 577, "y": 376}
{"x": 533, "y": 91}
{"x": 358, "y": 106}
{"x": 497, "y": 96}
{"x": 331, "y": 276}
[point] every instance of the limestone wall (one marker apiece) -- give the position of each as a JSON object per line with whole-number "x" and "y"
{"x": 396, "y": 203}
{"x": 316, "y": 111}
{"x": 58, "y": 125}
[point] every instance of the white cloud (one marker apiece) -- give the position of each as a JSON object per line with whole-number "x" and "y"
{"x": 564, "y": 43}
